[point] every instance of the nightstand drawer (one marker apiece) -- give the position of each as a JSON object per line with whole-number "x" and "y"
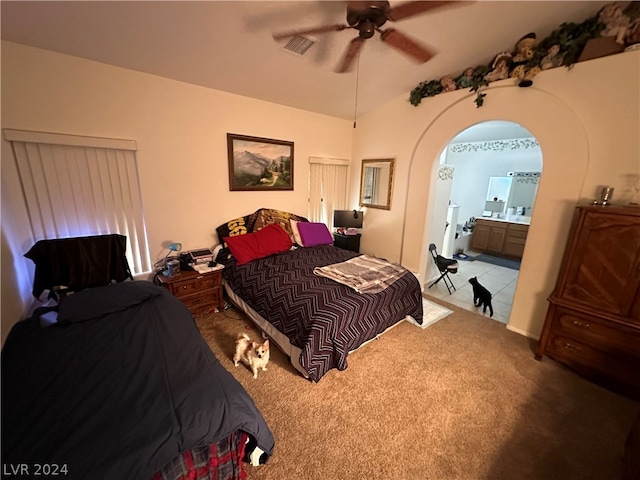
{"x": 187, "y": 287}
{"x": 203, "y": 299}
{"x": 200, "y": 292}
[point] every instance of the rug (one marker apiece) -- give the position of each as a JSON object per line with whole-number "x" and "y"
{"x": 463, "y": 256}
{"x": 431, "y": 313}
{"x": 502, "y": 262}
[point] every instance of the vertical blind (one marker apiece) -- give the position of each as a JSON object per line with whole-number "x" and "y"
{"x": 327, "y": 188}
{"x": 77, "y": 186}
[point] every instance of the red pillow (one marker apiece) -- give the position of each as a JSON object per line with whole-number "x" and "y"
{"x": 251, "y": 246}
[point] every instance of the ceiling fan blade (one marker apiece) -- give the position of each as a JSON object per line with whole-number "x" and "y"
{"x": 406, "y": 45}
{"x": 349, "y": 56}
{"x": 409, "y": 9}
{"x": 323, "y": 29}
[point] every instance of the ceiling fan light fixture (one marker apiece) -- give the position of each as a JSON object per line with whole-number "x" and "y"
{"x": 368, "y": 17}
{"x": 366, "y": 29}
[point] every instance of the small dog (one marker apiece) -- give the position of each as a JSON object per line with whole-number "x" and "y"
{"x": 481, "y": 296}
{"x": 255, "y": 355}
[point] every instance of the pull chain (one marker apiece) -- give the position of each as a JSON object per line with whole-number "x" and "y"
{"x": 355, "y": 107}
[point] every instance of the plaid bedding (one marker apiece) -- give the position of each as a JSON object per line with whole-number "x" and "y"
{"x": 218, "y": 461}
{"x": 364, "y": 274}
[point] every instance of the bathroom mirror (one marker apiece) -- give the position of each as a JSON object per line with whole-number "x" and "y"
{"x": 376, "y": 183}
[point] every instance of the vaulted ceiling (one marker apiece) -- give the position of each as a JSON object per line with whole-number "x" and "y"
{"x": 228, "y": 45}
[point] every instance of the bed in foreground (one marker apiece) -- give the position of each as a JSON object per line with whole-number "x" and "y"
{"x": 316, "y": 320}
{"x": 122, "y": 385}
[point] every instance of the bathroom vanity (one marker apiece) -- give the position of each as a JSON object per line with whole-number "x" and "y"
{"x": 500, "y": 237}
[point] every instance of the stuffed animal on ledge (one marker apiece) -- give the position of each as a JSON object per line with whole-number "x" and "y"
{"x": 500, "y": 67}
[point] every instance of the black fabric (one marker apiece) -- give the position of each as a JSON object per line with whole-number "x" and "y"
{"x": 119, "y": 395}
{"x": 98, "y": 302}
{"x": 237, "y": 226}
{"x": 448, "y": 264}
{"x": 79, "y": 262}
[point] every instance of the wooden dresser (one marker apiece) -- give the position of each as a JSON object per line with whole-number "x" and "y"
{"x": 200, "y": 292}
{"x": 593, "y": 321}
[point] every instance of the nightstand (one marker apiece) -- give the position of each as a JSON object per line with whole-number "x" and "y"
{"x": 200, "y": 292}
{"x": 347, "y": 242}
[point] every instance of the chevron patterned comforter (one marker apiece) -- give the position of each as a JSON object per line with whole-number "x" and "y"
{"x": 322, "y": 317}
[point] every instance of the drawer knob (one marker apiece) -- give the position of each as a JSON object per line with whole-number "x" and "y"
{"x": 571, "y": 346}
{"x": 580, "y": 324}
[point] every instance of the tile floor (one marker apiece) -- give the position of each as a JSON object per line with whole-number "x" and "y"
{"x": 500, "y": 281}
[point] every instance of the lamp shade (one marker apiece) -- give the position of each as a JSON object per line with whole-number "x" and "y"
{"x": 347, "y": 218}
{"x": 175, "y": 247}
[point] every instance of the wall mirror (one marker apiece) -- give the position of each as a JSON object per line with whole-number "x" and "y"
{"x": 376, "y": 183}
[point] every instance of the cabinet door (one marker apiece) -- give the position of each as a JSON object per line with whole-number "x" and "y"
{"x": 514, "y": 247}
{"x": 496, "y": 239}
{"x": 480, "y": 238}
{"x": 603, "y": 271}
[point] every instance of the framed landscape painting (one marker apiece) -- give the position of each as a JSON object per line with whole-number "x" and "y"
{"x": 259, "y": 163}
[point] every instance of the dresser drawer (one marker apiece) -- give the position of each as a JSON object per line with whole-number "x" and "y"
{"x": 187, "y": 287}
{"x": 614, "y": 339}
{"x": 593, "y": 362}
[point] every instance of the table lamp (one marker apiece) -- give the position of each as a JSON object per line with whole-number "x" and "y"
{"x": 173, "y": 247}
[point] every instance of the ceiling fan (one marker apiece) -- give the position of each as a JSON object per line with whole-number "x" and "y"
{"x": 367, "y": 17}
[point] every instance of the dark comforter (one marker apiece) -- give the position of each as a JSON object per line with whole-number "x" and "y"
{"x": 323, "y": 318}
{"x": 121, "y": 385}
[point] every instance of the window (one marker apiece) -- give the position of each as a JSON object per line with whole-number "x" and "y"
{"x": 76, "y": 186}
{"x": 327, "y": 188}
{"x": 371, "y": 186}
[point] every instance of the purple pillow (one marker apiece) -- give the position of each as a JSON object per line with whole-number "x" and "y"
{"x": 314, "y": 233}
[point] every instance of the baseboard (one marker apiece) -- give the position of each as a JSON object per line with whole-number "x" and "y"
{"x": 523, "y": 332}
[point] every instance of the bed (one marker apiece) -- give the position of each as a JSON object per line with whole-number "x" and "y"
{"x": 315, "y": 320}
{"x": 116, "y": 382}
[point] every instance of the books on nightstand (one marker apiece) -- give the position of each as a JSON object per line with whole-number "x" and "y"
{"x": 203, "y": 268}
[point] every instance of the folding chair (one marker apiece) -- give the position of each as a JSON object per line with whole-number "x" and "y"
{"x": 445, "y": 267}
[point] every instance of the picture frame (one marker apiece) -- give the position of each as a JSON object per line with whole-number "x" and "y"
{"x": 376, "y": 183}
{"x": 259, "y": 164}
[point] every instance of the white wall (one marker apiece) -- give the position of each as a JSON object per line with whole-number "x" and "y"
{"x": 587, "y": 121}
{"x": 473, "y": 169}
{"x": 181, "y": 132}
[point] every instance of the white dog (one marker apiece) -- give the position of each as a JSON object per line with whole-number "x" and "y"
{"x": 255, "y": 355}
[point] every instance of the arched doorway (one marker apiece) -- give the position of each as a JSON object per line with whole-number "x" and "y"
{"x": 489, "y": 153}
{"x": 561, "y": 136}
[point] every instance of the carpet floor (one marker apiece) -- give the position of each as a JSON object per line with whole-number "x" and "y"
{"x": 461, "y": 399}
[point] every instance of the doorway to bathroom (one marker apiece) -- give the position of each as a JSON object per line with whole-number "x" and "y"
{"x": 487, "y": 182}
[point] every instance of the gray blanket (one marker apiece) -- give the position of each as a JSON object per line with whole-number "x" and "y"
{"x": 364, "y": 274}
